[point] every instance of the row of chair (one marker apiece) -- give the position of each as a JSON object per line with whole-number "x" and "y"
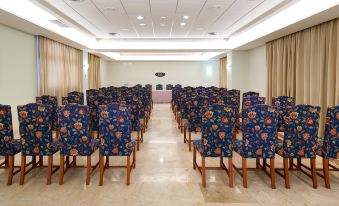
{"x": 73, "y": 136}
{"x": 259, "y": 125}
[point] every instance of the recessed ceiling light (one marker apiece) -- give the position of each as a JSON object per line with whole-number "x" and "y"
{"x": 110, "y": 9}
{"x": 163, "y": 17}
{"x": 113, "y": 34}
{"x": 162, "y": 24}
{"x": 140, "y": 17}
{"x": 212, "y": 33}
{"x": 186, "y": 17}
{"x": 182, "y": 24}
{"x": 142, "y": 24}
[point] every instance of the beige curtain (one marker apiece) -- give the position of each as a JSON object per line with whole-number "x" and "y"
{"x": 306, "y": 65}
{"x": 93, "y": 71}
{"x": 223, "y": 73}
{"x": 60, "y": 68}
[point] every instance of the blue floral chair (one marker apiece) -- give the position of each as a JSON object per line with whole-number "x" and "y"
{"x": 36, "y": 137}
{"x": 300, "y": 140}
{"x": 75, "y": 139}
{"x": 250, "y": 94}
{"x": 194, "y": 112}
{"x": 329, "y": 147}
{"x": 284, "y": 104}
{"x": 115, "y": 135}
{"x": 79, "y": 94}
{"x": 250, "y": 101}
{"x": 9, "y": 146}
{"x": 169, "y": 86}
{"x": 93, "y": 104}
{"x": 159, "y": 87}
{"x": 71, "y": 99}
{"x": 216, "y": 139}
{"x": 52, "y": 102}
{"x": 259, "y": 135}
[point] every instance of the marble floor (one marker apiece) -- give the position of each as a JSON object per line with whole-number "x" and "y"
{"x": 164, "y": 176}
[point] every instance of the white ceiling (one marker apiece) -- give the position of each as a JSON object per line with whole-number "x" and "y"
{"x": 162, "y": 18}
{"x": 239, "y": 24}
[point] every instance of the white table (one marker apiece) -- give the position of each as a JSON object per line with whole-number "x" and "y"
{"x": 161, "y": 96}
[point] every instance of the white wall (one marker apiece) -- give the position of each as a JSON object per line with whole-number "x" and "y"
{"x": 249, "y": 70}
{"x": 18, "y": 69}
{"x": 193, "y": 73}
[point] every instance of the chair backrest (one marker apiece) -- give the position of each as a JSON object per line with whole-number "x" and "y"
{"x": 115, "y": 131}
{"x": 217, "y": 126}
{"x": 250, "y": 101}
{"x": 79, "y": 94}
{"x": 71, "y": 99}
{"x": 331, "y": 138}
{"x": 259, "y": 131}
{"x": 169, "y": 86}
{"x": 284, "y": 104}
{"x": 52, "y": 102}
{"x": 6, "y": 130}
{"x": 74, "y": 121}
{"x": 35, "y": 122}
{"x": 159, "y": 87}
{"x": 301, "y": 134}
{"x": 250, "y": 94}
{"x": 195, "y": 112}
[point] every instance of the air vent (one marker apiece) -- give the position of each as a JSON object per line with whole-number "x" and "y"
{"x": 59, "y": 23}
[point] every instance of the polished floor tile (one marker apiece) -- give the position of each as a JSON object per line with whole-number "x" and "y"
{"x": 164, "y": 176}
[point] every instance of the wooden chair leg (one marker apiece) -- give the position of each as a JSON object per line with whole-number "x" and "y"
{"x": 6, "y": 161}
{"x": 181, "y": 126}
{"x": 50, "y": 167}
{"x": 203, "y": 171}
{"x": 272, "y": 173}
{"x": 286, "y": 175}
{"x": 244, "y": 172}
{"x": 299, "y": 164}
{"x": 142, "y": 137}
{"x": 264, "y": 164}
{"x": 257, "y": 163}
{"x": 134, "y": 158}
{"x": 10, "y": 169}
{"x": 314, "y": 173}
{"x": 33, "y": 161}
{"x": 326, "y": 172}
{"x": 138, "y": 140}
{"x": 230, "y": 172}
{"x": 128, "y": 170}
{"x": 184, "y": 134}
{"x": 291, "y": 163}
{"x": 189, "y": 140}
{"x": 67, "y": 161}
{"x": 101, "y": 166}
{"x": 41, "y": 160}
{"x": 194, "y": 158}
{"x": 74, "y": 160}
{"x": 23, "y": 169}
{"x": 88, "y": 170}
{"x": 107, "y": 160}
{"x": 61, "y": 175}
{"x": 221, "y": 161}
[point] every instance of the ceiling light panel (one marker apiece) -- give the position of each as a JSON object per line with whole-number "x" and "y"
{"x": 208, "y": 16}
{"x": 186, "y": 8}
{"x": 163, "y": 14}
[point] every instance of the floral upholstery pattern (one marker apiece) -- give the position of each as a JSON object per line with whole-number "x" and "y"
{"x": 250, "y": 94}
{"x": 250, "y": 101}
{"x": 36, "y": 130}
{"x": 115, "y": 133}
{"x": 330, "y": 146}
{"x": 93, "y": 104}
{"x": 301, "y": 134}
{"x": 8, "y": 145}
{"x": 79, "y": 94}
{"x": 74, "y": 121}
{"x": 259, "y": 132}
{"x": 217, "y": 127}
{"x": 71, "y": 99}
{"x": 284, "y": 104}
{"x": 52, "y": 102}
{"x": 195, "y": 106}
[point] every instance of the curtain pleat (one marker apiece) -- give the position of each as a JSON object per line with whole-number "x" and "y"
{"x": 305, "y": 65}
{"x": 94, "y": 81}
{"x": 60, "y": 68}
{"x": 223, "y": 72}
